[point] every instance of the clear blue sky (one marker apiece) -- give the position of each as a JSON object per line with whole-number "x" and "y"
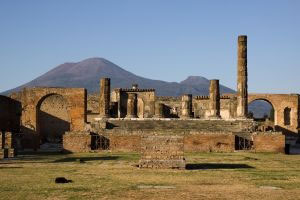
{"x": 159, "y": 39}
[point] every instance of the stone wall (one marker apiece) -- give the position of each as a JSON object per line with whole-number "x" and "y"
{"x": 125, "y": 143}
{"x": 162, "y": 152}
{"x": 32, "y": 99}
{"x": 77, "y": 142}
{"x": 209, "y": 142}
{"x": 200, "y": 108}
{"x": 144, "y": 104}
{"x": 269, "y": 142}
{"x": 93, "y": 104}
{"x": 279, "y": 103}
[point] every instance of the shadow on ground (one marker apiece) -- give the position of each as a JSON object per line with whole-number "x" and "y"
{"x": 84, "y": 159}
{"x": 11, "y": 167}
{"x": 199, "y": 166}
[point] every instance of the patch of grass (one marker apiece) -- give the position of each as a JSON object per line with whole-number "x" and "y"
{"x": 114, "y": 176}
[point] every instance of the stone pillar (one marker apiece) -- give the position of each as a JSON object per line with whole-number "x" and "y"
{"x": 131, "y": 106}
{"x": 8, "y": 140}
{"x": 104, "y": 100}
{"x": 186, "y": 106}
{"x": 2, "y": 139}
{"x": 242, "y": 87}
{"x": 159, "y": 110}
{"x": 214, "y": 99}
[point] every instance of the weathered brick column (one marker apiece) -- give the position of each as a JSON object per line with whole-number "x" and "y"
{"x": 104, "y": 101}
{"x": 242, "y": 87}
{"x": 186, "y": 106}
{"x": 159, "y": 110}
{"x": 131, "y": 106}
{"x": 214, "y": 99}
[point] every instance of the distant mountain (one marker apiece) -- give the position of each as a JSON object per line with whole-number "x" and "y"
{"x": 86, "y": 74}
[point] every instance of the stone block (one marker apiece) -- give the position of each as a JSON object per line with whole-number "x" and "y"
{"x": 77, "y": 142}
{"x": 269, "y": 142}
{"x": 162, "y": 152}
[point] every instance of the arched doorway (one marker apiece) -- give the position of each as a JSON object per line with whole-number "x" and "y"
{"x": 53, "y": 120}
{"x": 262, "y": 111}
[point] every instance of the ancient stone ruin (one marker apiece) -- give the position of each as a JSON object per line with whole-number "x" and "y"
{"x": 133, "y": 119}
{"x": 162, "y": 151}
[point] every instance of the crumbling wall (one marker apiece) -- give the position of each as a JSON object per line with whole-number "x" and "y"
{"x": 280, "y": 102}
{"x": 209, "y": 142}
{"x": 200, "y": 109}
{"x": 93, "y": 103}
{"x": 31, "y": 100}
{"x": 144, "y": 104}
{"x": 77, "y": 142}
{"x": 268, "y": 142}
{"x": 171, "y": 106}
{"x": 125, "y": 143}
{"x": 162, "y": 152}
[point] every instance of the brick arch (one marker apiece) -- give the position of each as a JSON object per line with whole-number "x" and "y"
{"x": 31, "y": 98}
{"x": 52, "y": 117}
{"x": 250, "y": 100}
{"x": 42, "y": 99}
{"x": 279, "y": 103}
{"x": 269, "y": 100}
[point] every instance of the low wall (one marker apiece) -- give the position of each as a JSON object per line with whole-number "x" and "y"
{"x": 77, "y": 142}
{"x": 162, "y": 152}
{"x": 130, "y": 143}
{"x": 209, "y": 142}
{"x": 194, "y": 141}
{"x": 269, "y": 142}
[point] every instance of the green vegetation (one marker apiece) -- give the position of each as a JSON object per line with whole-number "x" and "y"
{"x": 116, "y": 176}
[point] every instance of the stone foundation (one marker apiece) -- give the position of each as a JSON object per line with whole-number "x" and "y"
{"x": 209, "y": 142}
{"x": 269, "y": 142}
{"x": 77, "y": 142}
{"x": 125, "y": 143}
{"x": 162, "y": 152}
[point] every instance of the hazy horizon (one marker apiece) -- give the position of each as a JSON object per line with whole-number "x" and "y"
{"x": 161, "y": 40}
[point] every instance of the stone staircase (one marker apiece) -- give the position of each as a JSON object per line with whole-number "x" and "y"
{"x": 199, "y": 125}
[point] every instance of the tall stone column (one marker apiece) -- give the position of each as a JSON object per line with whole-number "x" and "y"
{"x": 131, "y": 106}
{"x": 214, "y": 99}
{"x": 242, "y": 87}
{"x": 159, "y": 110}
{"x": 104, "y": 101}
{"x": 186, "y": 106}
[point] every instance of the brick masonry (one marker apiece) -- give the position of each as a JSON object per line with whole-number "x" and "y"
{"x": 269, "y": 142}
{"x": 125, "y": 143}
{"x": 162, "y": 152}
{"x": 209, "y": 142}
{"x": 77, "y": 142}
